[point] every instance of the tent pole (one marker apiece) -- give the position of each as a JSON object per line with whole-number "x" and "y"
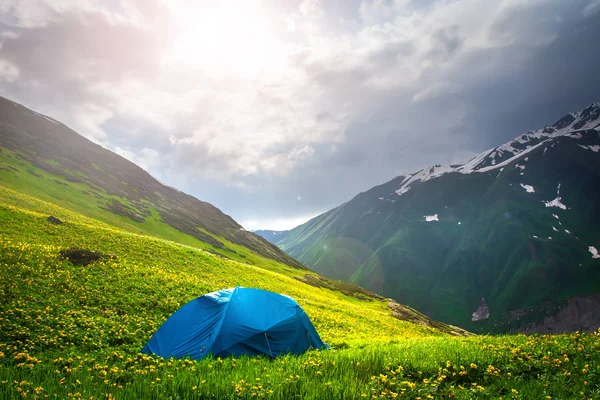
{"x": 270, "y": 352}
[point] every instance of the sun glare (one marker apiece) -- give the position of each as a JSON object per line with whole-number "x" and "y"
{"x": 225, "y": 38}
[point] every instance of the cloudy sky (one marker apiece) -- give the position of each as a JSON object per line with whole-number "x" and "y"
{"x": 277, "y": 110}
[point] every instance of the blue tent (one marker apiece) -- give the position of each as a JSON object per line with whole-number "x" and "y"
{"x": 233, "y": 322}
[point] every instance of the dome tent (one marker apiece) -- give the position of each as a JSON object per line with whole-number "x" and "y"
{"x": 234, "y": 322}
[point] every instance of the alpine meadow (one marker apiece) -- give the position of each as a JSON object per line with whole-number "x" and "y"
{"x": 307, "y": 199}
{"x": 76, "y": 331}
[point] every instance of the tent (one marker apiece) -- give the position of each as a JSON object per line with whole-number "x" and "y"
{"x": 234, "y": 322}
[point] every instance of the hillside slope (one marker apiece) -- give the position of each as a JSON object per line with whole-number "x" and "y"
{"x": 518, "y": 225}
{"x": 43, "y": 157}
{"x": 177, "y": 273}
{"x": 69, "y": 330}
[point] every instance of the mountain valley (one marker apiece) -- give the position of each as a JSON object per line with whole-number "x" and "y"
{"x": 517, "y": 226}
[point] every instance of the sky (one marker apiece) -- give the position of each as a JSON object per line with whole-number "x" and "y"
{"x": 278, "y": 110}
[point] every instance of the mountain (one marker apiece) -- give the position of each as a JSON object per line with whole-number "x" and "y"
{"x": 42, "y": 157}
{"x": 499, "y": 243}
{"x": 271, "y": 236}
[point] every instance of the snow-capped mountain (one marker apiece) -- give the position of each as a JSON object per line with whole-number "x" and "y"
{"x": 572, "y": 125}
{"x": 517, "y": 225}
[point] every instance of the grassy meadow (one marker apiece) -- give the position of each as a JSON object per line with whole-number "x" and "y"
{"x": 73, "y": 331}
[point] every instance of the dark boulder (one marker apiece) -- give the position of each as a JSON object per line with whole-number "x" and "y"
{"x": 80, "y": 256}
{"x": 53, "y": 220}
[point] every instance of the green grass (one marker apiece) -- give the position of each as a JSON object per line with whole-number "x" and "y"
{"x": 79, "y": 197}
{"x": 76, "y": 331}
{"x": 504, "y": 367}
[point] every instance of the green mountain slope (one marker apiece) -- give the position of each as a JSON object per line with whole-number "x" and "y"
{"x": 513, "y": 226}
{"x": 42, "y": 157}
{"x": 75, "y": 331}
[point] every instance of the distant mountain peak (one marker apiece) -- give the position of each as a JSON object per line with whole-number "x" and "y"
{"x": 500, "y": 156}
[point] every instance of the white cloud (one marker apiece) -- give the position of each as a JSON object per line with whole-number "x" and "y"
{"x": 146, "y": 158}
{"x": 377, "y": 10}
{"x": 310, "y": 8}
{"x": 275, "y": 224}
{"x": 282, "y": 164}
{"x": 332, "y": 107}
{"x": 592, "y": 8}
{"x": 437, "y": 90}
{"x": 87, "y": 119}
{"x": 39, "y": 13}
{"x": 8, "y": 71}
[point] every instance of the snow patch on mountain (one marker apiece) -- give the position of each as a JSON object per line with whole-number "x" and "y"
{"x": 423, "y": 176}
{"x": 506, "y": 162}
{"x": 595, "y": 149}
{"x": 555, "y": 203}
{"x": 528, "y": 188}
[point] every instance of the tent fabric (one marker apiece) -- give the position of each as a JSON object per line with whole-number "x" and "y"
{"x": 234, "y": 322}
